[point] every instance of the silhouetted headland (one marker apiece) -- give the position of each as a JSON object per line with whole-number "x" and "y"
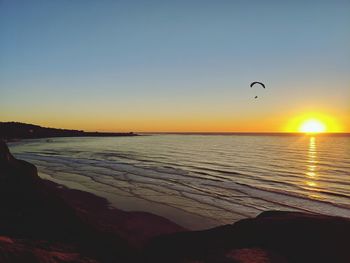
{"x": 44, "y": 222}
{"x": 18, "y": 130}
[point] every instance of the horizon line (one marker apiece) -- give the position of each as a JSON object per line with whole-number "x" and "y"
{"x": 196, "y": 132}
{"x": 249, "y": 133}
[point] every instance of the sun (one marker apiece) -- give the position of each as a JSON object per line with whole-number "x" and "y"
{"x": 312, "y": 126}
{"x": 313, "y": 123}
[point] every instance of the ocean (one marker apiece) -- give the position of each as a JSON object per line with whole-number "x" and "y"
{"x": 201, "y": 181}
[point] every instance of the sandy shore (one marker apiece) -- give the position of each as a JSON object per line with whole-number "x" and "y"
{"x": 135, "y": 227}
{"x": 118, "y": 200}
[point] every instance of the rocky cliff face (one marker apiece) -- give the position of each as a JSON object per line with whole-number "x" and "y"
{"x": 6, "y": 157}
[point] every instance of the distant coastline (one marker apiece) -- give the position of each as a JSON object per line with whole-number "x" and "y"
{"x": 10, "y": 131}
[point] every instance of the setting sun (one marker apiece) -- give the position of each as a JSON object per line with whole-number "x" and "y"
{"x": 315, "y": 122}
{"x": 312, "y": 126}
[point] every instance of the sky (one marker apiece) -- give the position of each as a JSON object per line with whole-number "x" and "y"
{"x": 175, "y": 65}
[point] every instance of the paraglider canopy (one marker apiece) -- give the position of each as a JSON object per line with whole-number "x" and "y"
{"x": 257, "y": 82}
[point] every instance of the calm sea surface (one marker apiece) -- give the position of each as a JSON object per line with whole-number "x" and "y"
{"x": 201, "y": 181}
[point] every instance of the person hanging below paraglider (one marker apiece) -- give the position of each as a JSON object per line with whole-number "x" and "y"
{"x": 257, "y": 82}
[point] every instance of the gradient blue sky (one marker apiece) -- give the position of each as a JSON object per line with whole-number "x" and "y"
{"x": 174, "y": 65}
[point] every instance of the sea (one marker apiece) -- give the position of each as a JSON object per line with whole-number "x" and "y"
{"x": 201, "y": 180}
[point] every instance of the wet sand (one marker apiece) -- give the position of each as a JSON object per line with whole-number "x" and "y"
{"x": 119, "y": 201}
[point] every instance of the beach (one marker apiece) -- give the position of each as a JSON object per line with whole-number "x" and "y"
{"x": 201, "y": 181}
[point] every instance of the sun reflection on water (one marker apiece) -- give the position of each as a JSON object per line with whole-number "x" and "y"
{"x": 311, "y": 166}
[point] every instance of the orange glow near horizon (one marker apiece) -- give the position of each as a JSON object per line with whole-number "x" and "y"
{"x": 313, "y": 123}
{"x": 203, "y": 122}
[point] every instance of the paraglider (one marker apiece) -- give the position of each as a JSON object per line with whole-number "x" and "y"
{"x": 256, "y": 82}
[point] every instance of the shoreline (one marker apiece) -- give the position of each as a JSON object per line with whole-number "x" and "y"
{"x": 136, "y": 227}
{"x": 117, "y": 199}
{"x": 116, "y": 170}
{"x": 136, "y": 204}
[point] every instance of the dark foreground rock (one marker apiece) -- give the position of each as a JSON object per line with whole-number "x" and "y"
{"x": 273, "y": 236}
{"x": 41, "y": 221}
